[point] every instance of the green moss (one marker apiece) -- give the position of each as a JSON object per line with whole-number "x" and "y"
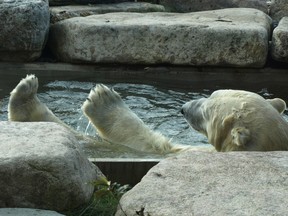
{"x": 104, "y": 201}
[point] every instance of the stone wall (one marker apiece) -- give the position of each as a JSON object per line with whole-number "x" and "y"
{"x": 235, "y": 36}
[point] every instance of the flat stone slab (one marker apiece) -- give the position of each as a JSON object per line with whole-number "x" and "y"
{"x": 199, "y": 183}
{"x": 42, "y": 166}
{"x": 24, "y": 29}
{"x": 228, "y": 37}
{"x": 279, "y": 49}
{"x": 66, "y": 12}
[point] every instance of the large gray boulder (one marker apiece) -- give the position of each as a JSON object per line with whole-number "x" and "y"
{"x": 231, "y": 37}
{"x": 24, "y": 29}
{"x": 42, "y": 166}
{"x": 199, "y": 183}
{"x": 278, "y": 9}
{"x": 65, "y": 12}
{"x": 279, "y": 50}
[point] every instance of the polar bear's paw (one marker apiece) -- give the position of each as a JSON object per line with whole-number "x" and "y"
{"x": 99, "y": 99}
{"x": 101, "y": 95}
{"x": 112, "y": 118}
{"x": 24, "y": 104}
{"x": 25, "y": 90}
{"x": 103, "y": 108}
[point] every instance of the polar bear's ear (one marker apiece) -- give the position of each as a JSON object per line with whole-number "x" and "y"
{"x": 278, "y": 104}
{"x": 240, "y": 136}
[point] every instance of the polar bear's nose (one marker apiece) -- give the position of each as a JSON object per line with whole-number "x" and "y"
{"x": 182, "y": 111}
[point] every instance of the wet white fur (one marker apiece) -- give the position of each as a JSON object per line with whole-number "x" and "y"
{"x": 116, "y": 123}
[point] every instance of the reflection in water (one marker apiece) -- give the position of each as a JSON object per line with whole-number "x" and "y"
{"x": 158, "y": 108}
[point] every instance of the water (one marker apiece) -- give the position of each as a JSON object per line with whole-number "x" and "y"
{"x": 158, "y": 107}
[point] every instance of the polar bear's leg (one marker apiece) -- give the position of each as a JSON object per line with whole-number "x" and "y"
{"x": 116, "y": 123}
{"x": 25, "y": 106}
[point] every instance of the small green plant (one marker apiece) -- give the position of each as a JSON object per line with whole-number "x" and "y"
{"x": 104, "y": 201}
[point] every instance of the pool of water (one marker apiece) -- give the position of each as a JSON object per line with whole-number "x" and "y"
{"x": 158, "y": 107}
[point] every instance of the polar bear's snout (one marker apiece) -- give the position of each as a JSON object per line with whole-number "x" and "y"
{"x": 191, "y": 107}
{"x": 184, "y": 108}
{"x": 192, "y": 112}
{"x": 187, "y": 107}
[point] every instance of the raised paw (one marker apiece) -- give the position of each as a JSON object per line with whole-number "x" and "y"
{"x": 24, "y": 104}
{"x": 26, "y": 88}
{"x": 101, "y": 95}
{"x": 101, "y": 98}
{"x": 101, "y": 106}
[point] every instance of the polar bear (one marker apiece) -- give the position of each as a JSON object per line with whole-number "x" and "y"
{"x": 235, "y": 120}
{"x": 112, "y": 118}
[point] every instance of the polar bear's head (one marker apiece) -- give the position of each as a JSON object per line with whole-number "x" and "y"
{"x": 239, "y": 120}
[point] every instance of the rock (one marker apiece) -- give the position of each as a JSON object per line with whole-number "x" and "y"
{"x": 231, "y": 37}
{"x": 279, "y": 48}
{"x": 43, "y": 167}
{"x": 199, "y": 183}
{"x": 24, "y": 29}
{"x": 27, "y": 212}
{"x": 66, "y": 12}
{"x": 204, "y": 5}
{"x": 278, "y": 9}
